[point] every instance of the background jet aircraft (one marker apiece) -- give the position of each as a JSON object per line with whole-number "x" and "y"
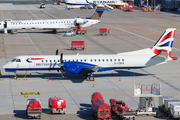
{"x": 53, "y": 24}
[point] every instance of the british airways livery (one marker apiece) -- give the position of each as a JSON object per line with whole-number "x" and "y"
{"x": 53, "y": 24}
{"x": 87, "y": 64}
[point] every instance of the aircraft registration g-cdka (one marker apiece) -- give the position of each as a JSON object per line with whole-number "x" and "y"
{"x": 87, "y": 64}
{"x": 53, "y": 24}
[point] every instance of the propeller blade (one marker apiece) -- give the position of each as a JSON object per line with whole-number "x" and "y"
{"x": 50, "y": 66}
{"x": 57, "y": 52}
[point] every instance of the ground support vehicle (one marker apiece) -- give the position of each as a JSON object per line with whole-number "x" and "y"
{"x": 42, "y": 5}
{"x": 57, "y": 105}
{"x": 77, "y": 44}
{"x": 34, "y": 109}
{"x": 166, "y": 109}
{"x": 175, "y": 111}
{"x": 78, "y": 30}
{"x": 101, "y": 110}
{"x": 121, "y": 109}
{"x": 70, "y": 33}
{"x": 125, "y": 113}
{"x": 162, "y": 103}
{"x": 97, "y": 99}
{"x": 146, "y": 94}
{"x": 128, "y": 9}
{"x": 104, "y": 31}
{"x": 147, "y": 9}
{"x": 115, "y": 104}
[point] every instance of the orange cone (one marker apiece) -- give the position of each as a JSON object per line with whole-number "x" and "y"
{"x": 48, "y": 79}
{"x": 119, "y": 79}
{"x": 93, "y": 85}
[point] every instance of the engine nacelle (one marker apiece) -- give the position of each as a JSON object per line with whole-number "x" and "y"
{"x": 80, "y": 21}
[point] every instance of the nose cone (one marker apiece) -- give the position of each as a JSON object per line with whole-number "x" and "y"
{"x": 3, "y": 67}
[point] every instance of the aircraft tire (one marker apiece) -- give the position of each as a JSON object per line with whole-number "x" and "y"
{"x": 91, "y": 78}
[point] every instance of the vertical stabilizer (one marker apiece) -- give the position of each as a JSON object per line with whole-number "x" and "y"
{"x": 165, "y": 43}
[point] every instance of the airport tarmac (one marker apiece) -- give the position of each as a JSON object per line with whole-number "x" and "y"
{"x": 129, "y": 31}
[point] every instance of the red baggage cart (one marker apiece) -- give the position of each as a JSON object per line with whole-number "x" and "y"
{"x": 57, "y": 105}
{"x": 95, "y": 95}
{"x": 77, "y": 44}
{"x": 104, "y": 31}
{"x": 97, "y": 99}
{"x": 101, "y": 110}
{"x": 34, "y": 109}
{"x": 115, "y": 104}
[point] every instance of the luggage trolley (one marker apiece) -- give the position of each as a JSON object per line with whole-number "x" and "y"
{"x": 146, "y": 94}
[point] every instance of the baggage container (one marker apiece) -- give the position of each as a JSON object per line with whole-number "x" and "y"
{"x": 95, "y": 95}
{"x": 167, "y": 105}
{"x": 101, "y": 110}
{"x": 57, "y": 105}
{"x": 161, "y": 100}
{"x": 77, "y": 44}
{"x": 34, "y": 109}
{"x": 174, "y": 110}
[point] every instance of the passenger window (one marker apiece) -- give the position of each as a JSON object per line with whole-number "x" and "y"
{"x": 42, "y": 60}
{"x": 69, "y": 60}
{"x": 47, "y": 22}
{"x": 73, "y": 60}
{"x": 54, "y": 60}
{"x": 94, "y": 60}
{"x": 81, "y": 60}
{"x": 53, "y": 22}
{"x": 32, "y": 23}
{"x": 91, "y": 60}
{"x": 118, "y": 59}
{"x": 122, "y": 59}
{"x": 77, "y": 60}
{"x": 61, "y": 21}
{"x": 99, "y": 60}
{"x": 106, "y": 60}
{"x": 18, "y": 60}
{"x": 46, "y": 60}
{"x": 114, "y": 59}
{"x": 49, "y": 60}
{"x": 111, "y": 60}
{"x": 58, "y": 60}
{"x": 84, "y": 60}
{"x": 103, "y": 60}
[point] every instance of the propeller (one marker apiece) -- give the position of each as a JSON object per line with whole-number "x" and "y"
{"x": 61, "y": 66}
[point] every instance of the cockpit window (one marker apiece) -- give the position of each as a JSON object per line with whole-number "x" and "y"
{"x": 13, "y": 60}
{"x": 18, "y": 60}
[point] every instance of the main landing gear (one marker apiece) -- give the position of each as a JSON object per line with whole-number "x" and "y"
{"x": 91, "y": 77}
{"x": 55, "y": 31}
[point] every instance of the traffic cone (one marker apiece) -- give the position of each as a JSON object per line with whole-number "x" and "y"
{"x": 119, "y": 79}
{"x": 93, "y": 85}
{"x": 48, "y": 79}
{"x": 114, "y": 31}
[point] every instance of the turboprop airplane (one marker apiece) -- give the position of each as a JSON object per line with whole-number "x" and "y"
{"x": 53, "y": 24}
{"x": 88, "y": 64}
{"x": 95, "y": 2}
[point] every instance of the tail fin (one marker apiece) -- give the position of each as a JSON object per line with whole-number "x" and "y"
{"x": 97, "y": 14}
{"x": 165, "y": 43}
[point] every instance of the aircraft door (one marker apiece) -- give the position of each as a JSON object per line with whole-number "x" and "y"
{"x": 5, "y": 24}
{"x": 31, "y": 62}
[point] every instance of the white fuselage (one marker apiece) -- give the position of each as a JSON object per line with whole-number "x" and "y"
{"x": 129, "y": 60}
{"x": 46, "y": 24}
{"x": 83, "y": 2}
